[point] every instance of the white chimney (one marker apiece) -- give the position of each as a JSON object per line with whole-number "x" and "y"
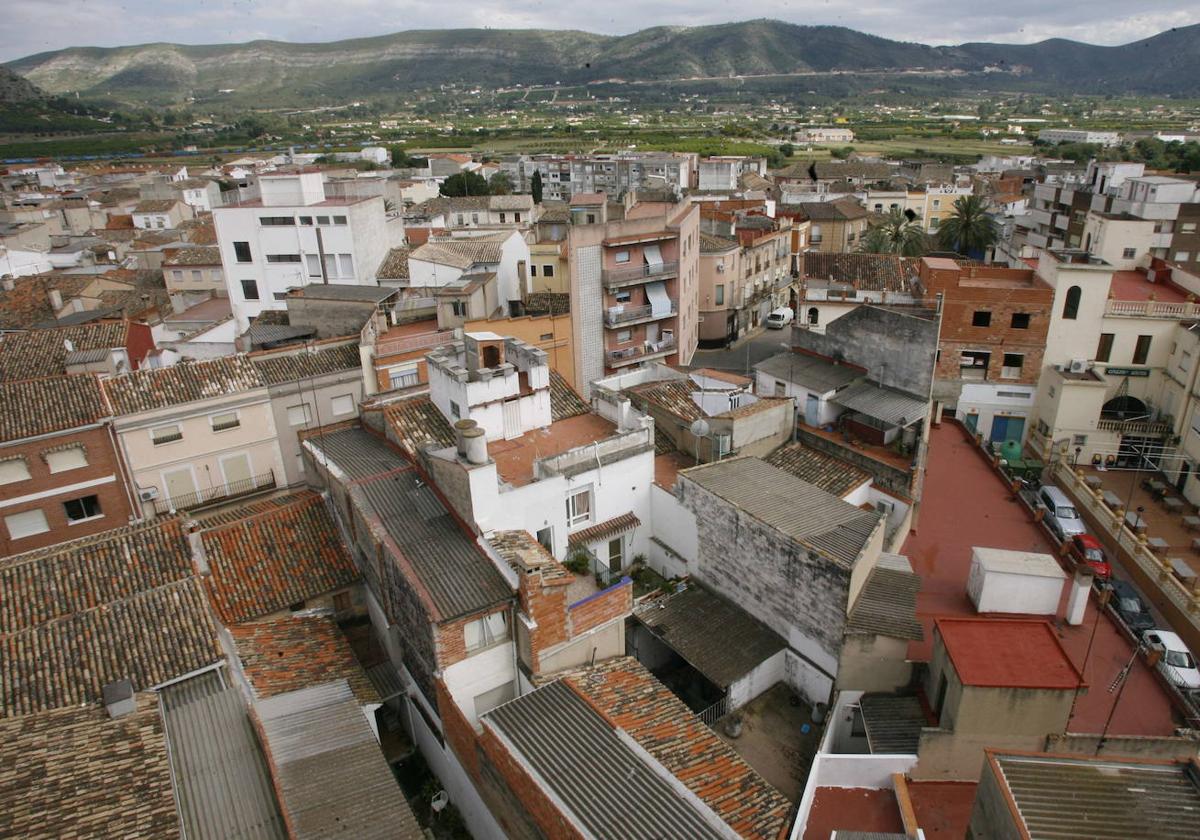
{"x": 1081, "y": 587}
{"x": 475, "y": 445}
{"x": 8, "y": 283}
{"x": 118, "y": 698}
{"x": 460, "y": 428}
{"x": 55, "y": 299}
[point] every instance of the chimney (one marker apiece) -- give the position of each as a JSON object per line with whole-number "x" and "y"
{"x": 55, "y": 299}
{"x": 118, "y": 698}
{"x": 460, "y": 428}
{"x": 475, "y": 446}
{"x": 7, "y": 282}
{"x": 1081, "y": 586}
{"x": 199, "y": 555}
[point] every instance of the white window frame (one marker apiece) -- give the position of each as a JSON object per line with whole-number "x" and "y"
{"x": 154, "y": 439}
{"x": 305, "y": 409}
{"x": 84, "y": 519}
{"x": 574, "y": 516}
{"x": 485, "y": 632}
{"x": 45, "y": 525}
{"x": 22, "y": 465}
{"x": 237, "y": 422}
{"x": 62, "y": 453}
{"x": 333, "y": 404}
{"x": 404, "y": 371}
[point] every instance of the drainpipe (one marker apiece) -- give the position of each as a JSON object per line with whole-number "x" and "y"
{"x": 135, "y": 504}
{"x": 321, "y": 255}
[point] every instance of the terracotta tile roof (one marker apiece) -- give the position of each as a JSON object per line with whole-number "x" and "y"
{"x": 416, "y": 421}
{"x": 525, "y": 554}
{"x": 459, "y": 253}
{"x": 602, "y": 530}
{"x": 198, "y": 231}
{"x": 671, "y": 395}
{"x": 27, "y": 355}
{"x": 565, "y": 402}
{"x": 711, "y": 244}
{"x": 193, "y": 256}
{"x": 293, "y": 652}
{"x": 277, "y": 367}
{"x": 34, "y": 407}
{"x": 394, "y": 265}
{"x": 866, "y": 272}
{"x": 833, "y": 475}
{"x": 156, "y": 205}
{"x": 29, "y": 301}
{"x": 76, "y": 772}
{"x": 231, "y": 515}
{"x": 842, "y": 209}
{"x": 548, "y": 303}
{"x": 152, "y": 388}
{"x": 275, "y": 558}
{"x": 630, "y": 698}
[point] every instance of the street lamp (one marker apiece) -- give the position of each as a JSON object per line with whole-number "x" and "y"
{"x": 1078, "y": 449}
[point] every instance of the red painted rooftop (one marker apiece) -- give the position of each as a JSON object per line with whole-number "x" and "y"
{"x": 853, "y": 809}
{"x": 964, "y": 504}
{"x": 1003, "y": 653}
{"x": 1133, "y": 285}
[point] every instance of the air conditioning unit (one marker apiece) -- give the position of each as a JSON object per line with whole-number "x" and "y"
{"x": 883, "y": 507}
{"x": 147, "y": 494}
{"x": 1079, "y": 365}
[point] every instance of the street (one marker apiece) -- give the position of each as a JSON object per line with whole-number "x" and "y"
{"x": 745, "y": 354}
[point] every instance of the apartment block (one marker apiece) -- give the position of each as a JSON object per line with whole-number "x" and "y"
{"x": 568, "y": 175}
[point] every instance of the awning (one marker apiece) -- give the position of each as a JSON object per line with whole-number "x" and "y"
{"x": 885, "y": 404}
{"x": 604, "y": 530}
{"x": 660, "y": 304}
{"x": 653, "y": 255}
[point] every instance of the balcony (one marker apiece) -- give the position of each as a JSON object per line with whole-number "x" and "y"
{"x": 1149, "y": 428}
{"x": 1173, "y": 311}
{"x": 633, "y": 355}
{"x": 215, "y": 495}
{"x": 630, "y": 315}
{"x": 616, "y": 278}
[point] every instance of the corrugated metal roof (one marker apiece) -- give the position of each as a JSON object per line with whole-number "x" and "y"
{"x": 222, "y": 781}
{"x": 813, "y": 372}
{"x": 685, "y": 622}
{"x": 607, "y": 788}
{"x": 386, "y": 680}
{"x": 818, "y": 520}
{"x": 332, "y": 776}
{"x": 893, "y": 723}
{"x": 1108, "y": 799}
{"x": 887, "y": 604}
{"x": 886, "y": 404}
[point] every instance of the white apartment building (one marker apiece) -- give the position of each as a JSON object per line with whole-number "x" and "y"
{"x": 725, "y": 172}
{"x": 565, "y": 176}
{"x": 294, "y": 236}
{"x": 1079, "y": 135}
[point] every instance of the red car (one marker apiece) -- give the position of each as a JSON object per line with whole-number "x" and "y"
{"x": 1087, "y": 550}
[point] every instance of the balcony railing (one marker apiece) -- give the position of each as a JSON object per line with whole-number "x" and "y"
{"x": 409, "y": 343}
{"x": 1173, "y": 311}
{"x": 1134, "y": 427}
{"x": 220, "y": 493}
{"x": 616, "y": 316}
{"x": 629, "y": 355}
{"x": 639, "y": 273}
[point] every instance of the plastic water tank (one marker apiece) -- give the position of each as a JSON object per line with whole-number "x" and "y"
{"x": 1010, "y": 450}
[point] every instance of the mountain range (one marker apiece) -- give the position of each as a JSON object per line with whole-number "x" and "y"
{"x": 277, "y": 73}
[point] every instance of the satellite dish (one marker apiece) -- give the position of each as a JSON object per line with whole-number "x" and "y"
{"x": 699, "y": 428}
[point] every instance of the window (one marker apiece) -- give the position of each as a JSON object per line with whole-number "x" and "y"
{"x": 934, "y": 222}
{"x": 1187, "y": 227}
{"x": 1182, "y": 256}
{"x": 503, "y": 218}
{"x": 516, "y": 217}
{"x": 462, "y": 220}
{"x": 62, "y": 460}
{"x": 196, "y": 278}
{"x": 306, "y": 221}
{"x": 622, "y": 256}
{"x": 720, "y": 292}
{"x": 455, "y": 411}
{"x": 166, "y": 434}
{"x": 299, "y": 415}
{"x": 981, "y": 318}
{"x": 814, "y": 315}
{"x": 322, "y": 220}
{"x": 177, "y": 275}
{"x": 339, "y": 220}
{"x": 1141, "y": 351}
{"x": 474, "y": 218}
{"x": 547, "y": 271}
{"x": 314, "y": 264}
{"x": 1129, "y": 253}
{"x": 973, "y": 364}
{"x": 1071, "y": 303}
{"x": 1185, "y": 361}
{"x": 937, "y": 204}
{"x": 1013, "y": 363}
{"x": 616, "y": 554}
{"x": 250, "y": 289}
{"x": 277, "y": 221}
{"x": 485, "y": 632}
{"x": 81, "y": 510}
{"x": 545, "y": 536}
{"x": 26, "y": 524}
{"x": 624, "y": 336}
{"x": 459, "y": 308}
{"x": 532, "y": 270}
{"x": 624, "y": 296}
{"x": 547, "y": 337}
{"x": 1104, "y": 348}
{"x": 1079, "y": 440}
{"x": 241, "y": 251}
{"x": 342, "y": 405}
{"x": 403, "y": 376}
{"x": 331, "y": 269}
{"x": 224, "y": 422}
{"x": 14, "y": 469}
{"x": 579, "y": 507}
{"x": 346, "y": 263}
{"x": 283, "y": 258}
{"x": 1020, "y": 321}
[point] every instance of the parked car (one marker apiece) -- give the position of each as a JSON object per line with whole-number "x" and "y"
{"x": 1061, "y": 515}
{"x": 1087, "y": 551}
{"x": 1130, "y": 606}
{"x": 1177, "y": 663}
{"x": 780, "y": 318}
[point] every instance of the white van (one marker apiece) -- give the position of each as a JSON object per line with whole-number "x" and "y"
{"x": 780, "y": 318}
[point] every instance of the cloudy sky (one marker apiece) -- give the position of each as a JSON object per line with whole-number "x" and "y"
{"x": 31, "y": 26}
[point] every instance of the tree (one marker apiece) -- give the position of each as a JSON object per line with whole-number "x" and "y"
{"x": 969, "y": 229}
{"x": 500, "y": 184}
{"x": 535, "y": 187}
{"x": 786, "y": 149}
{"x": 896, "y": 233}
{"x": 464, "y": 183}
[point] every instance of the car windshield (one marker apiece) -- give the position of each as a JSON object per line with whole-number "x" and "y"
{"x": 1066, "y": 512}
{"x": 1132, "y": 605}
{"x": 1094, "y": 555}
{"x": 1180, "y": 659}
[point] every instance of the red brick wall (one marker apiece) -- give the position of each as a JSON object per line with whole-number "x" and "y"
{"x": 536, "y": 803}
{"x": 451, "y": 638}
{"x": 102, "y": 462}
{"x": 602, "y": 607}
{"x": 138, "y": 342}
{"x": 382, "y": 379}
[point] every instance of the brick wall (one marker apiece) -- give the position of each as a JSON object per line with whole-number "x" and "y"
{"x": 604, "y": 606}
{"x": 102, "y": 461}
{"x": 547, "y": 606}
{"x": 535, "y": 803}
{"x": 451, "y": 637}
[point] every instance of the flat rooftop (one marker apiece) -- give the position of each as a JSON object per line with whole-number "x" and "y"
{"x": 1133, "y": 285}
{"x": 1004, "y": 653}
{"x": 514, "y": 458}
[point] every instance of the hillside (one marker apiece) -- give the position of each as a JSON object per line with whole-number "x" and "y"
{"x": 26, "y": 109}
{"x": 276, "y": 73}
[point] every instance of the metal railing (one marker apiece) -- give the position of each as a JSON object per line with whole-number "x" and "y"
{"x": 638, "y": 273}
{"x": 715, "y": 712}
{"x": 650, "y": 348}
{"x": 219, "y": 493}
{"x": 615, "y": 316}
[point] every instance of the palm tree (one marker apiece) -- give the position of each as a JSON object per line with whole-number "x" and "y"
{"x": 969, "y": 229}
{"x": 896, "y": 233}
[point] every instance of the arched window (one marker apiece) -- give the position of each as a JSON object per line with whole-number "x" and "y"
{"x": 1071, "y": 304}
{"x": 814, "y": 315}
